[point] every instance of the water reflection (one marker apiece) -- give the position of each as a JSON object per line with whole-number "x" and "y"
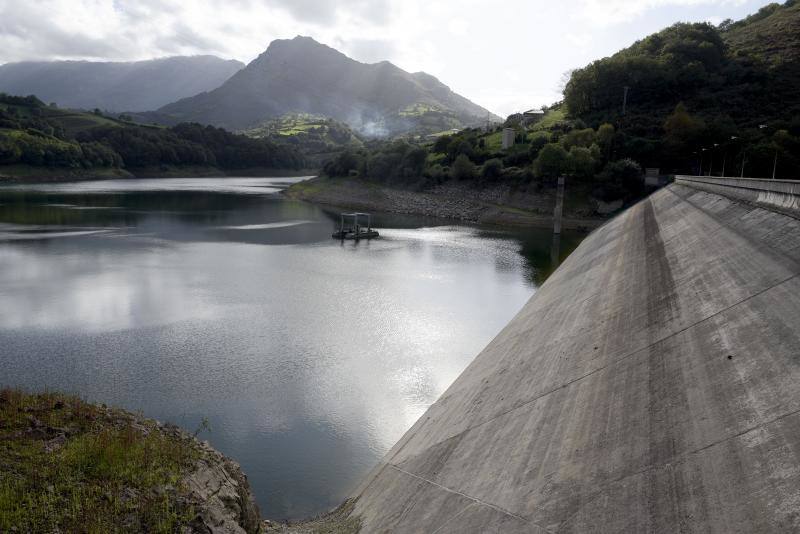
{"x": 309, "y": 356}
{"x": 555, "y": 251}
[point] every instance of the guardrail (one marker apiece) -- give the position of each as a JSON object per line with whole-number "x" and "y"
{"x": 783, "y": 194}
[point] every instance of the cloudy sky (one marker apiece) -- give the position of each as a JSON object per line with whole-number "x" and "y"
{"x": 507, "y": 56}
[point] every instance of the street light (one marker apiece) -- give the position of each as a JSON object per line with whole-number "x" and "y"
{"x": 725, "y": 155}
{"x": 775, "y": 162}
{"x": 711, "y": 166}
{"x": 702, "y": 150}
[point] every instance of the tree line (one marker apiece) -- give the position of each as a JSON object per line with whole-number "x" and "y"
{"x": 30, "y": 135}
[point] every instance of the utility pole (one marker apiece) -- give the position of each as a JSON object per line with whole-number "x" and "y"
{"x": 625, "y": 100}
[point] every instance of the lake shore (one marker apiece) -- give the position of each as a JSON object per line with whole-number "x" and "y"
{"x": 494, "y": 205}
{"x": 27, "y": 174}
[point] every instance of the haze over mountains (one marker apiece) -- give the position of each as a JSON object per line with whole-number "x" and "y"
{"x": 116, "y": 86}
{"x": 301, "y": 75}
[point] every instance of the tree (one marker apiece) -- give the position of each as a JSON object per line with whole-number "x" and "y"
{"x": 462, "y": 168}
{"x": 582, "y": 162}
{"x": 414, "y": 160}
{"x": 605, "y": 138}
{"x": 683, "y": 130}
{"x": 552, "y": 161}
{"x": 492, "y": 169}
{"x": 458, "y": 146}
{"x": 582, "y": 138}
{"x": 441, "y": 144}
{"x": 622, "y": 178}
{"x": 537, "y": 143}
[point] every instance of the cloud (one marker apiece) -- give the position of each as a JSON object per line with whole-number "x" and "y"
{"x": 329, "y": 11}
{"x": 28, "y": 28}
{"x": 368, "y": 50}
{"x": 505, "y": 58}
{"x": 610, "y": 12}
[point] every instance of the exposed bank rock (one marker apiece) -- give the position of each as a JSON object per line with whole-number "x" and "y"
{"x": 221, "y": 496}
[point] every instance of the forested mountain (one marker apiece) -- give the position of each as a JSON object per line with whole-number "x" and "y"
{"x": 303, "y": 76}
{"x": 37, "y": 135}
{"x": 695, "y": 88}
{"x": 116, "y": 86}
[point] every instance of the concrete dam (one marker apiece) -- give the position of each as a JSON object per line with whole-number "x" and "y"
{"x": 652, "y": 384}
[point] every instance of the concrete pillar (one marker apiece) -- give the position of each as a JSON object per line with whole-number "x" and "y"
{"x": 559, "y": 206}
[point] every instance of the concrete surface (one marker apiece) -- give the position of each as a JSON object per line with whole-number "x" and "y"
{"x": 652, "y": 384}
{"x": 783, "y": 194}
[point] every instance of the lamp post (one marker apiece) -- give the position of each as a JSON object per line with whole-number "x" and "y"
{"x": 702, "y": 150}
{"x": 725, "y": 156}
{"x": 711, "y": 166}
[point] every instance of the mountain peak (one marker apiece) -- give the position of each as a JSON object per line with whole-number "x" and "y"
{"x": 302, "y": 75}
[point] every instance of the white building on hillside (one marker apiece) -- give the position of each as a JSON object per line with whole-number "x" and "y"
{"x": 508, "y": 137}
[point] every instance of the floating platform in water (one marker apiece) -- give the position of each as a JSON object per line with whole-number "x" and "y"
{"x": 354, "y": 230}
{"x": 363, "y": 234}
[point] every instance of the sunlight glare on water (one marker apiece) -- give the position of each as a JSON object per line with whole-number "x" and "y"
{"x": 220, "y": 298}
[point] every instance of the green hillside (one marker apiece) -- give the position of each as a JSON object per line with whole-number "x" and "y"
{"x": 316, "y": 137}
{"x": 772, "y": 34}
{"x": 34, "y": 135}
{"x": 697, "y": 89}
{"x": 700, "y": 98}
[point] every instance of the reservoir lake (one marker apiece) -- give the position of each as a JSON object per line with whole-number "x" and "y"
{"x": 219, "y": 298}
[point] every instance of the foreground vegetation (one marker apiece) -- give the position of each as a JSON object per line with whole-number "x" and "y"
{"x": 66, "y": 465}
{"x": 37, "y": 135}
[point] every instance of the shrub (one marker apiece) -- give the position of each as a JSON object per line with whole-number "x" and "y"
{"x": 492, "y": 169}
{"x": 463, "y": 168}
{"x": 551, "y": 162}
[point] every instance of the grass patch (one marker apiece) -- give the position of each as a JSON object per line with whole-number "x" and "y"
{"x": 417, "y": 109}
{"x": 66, "y": 465}
{"x": 550, "y": 119}
{"x": 494, "y": 141}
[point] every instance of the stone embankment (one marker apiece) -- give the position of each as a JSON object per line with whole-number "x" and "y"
{"x": 498, "y": 204}
{"x": 652, "y": 384}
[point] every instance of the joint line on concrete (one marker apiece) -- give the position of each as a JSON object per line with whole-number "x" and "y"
{"x": 611, "y": 363}
{"x": 470, "y": 497}
{"x": 676, "y": 460}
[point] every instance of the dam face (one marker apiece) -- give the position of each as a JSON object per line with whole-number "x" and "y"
{"x": 652, "y": 384}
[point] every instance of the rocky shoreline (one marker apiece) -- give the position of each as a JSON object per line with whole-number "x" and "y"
{"x": 75, "y": 466}
{"x": 496, "y": 204}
